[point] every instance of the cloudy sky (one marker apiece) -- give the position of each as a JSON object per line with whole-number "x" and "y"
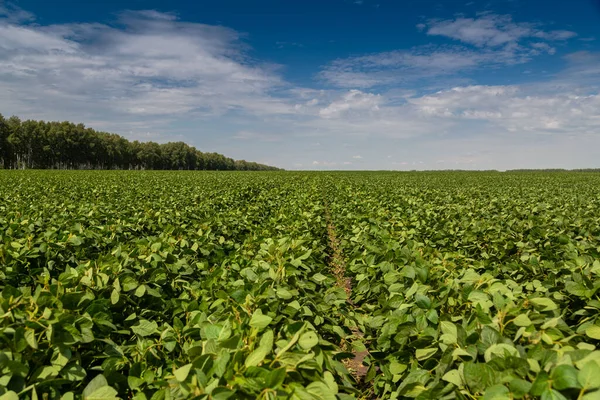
{"x": 314, "y": 84}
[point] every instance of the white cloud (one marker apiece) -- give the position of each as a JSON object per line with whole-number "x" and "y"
{"x": 325, "y": 163}
{"x": 490, "y": 41}
{"x": 583, "y": 67}
{"x": 257, "y": 136}
{"x": 353, "y": 101}
{"x": 543, "y": 47}
{"x": 151, "y": 64}
{"x": 13, "y": 13}
{"x": 357, "y": 157}
{"x": 401, "y": 66}
{"x": 516, "y": 109}
{"x": 492, "y": 30}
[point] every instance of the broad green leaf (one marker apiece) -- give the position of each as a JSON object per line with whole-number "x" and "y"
{"x": 75, "y": 240}
{"x": 589, "y": 376}
{"x": 544, "y": 304}
{"x": 308, "y": 340}
{"x": 145, "y": 328}
{"x": 591, "y": 395}
{"x": 564, "y": 377}
{"x": 519, "y": 388}
{"x": 423, "y": 354}
{"x": 497, "y": 392}
{"x": 259, "y": 320}
{"x": 276, "y": 377}
{"x": 501, "y": 350}
{"x": 73, "y": 372}
{"x": 182, "y": 373}
{"x": 114, "y": 297}
{"x": 422, "y": 301}
{"x": 10, "y": 395}
{"x": 329, "y": 380}
{"x": 264, "y": 348}
{"x": 31, "y": 339}
{"x": 540, "y": 384}
{"x": 551, "y": 394}
{"x": 140, "y": 291}
{"x": 97, "y": 383}
{"x": 522, "y": 320}
{"x": 453, "y": 376}
{"x": 478, "y": 376}
{"x": 593, "y": 332}
{"x": 321, "y": 391}
{"x": 103, "y": 393}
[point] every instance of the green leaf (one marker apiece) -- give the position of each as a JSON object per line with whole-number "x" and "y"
{"x": 453, "y": 376}
{"x": 564, "y": 377}
{"x": 10, "y": 395}
{"x": 222, "y": 393}
{"x": 75, "y": 241}
{"x": 145, "y": 328}
{"x": 104, "y": 393}
{"x": 95, "y": 385}
{"x": 321, "y": 391}
{"x": 500, "y": 350}
{"x": 182, "y": 373}
{"x": 589, "y": 376}
{"x": 308, "y": 340}
{"x": 540, "y": 384}
{"x": 497, "y": 392}
{"x": 114, "y": 297}
{"x": 284, "y": 294}
{"x": 591, "y": 395}
{"x": 275, "y": 378}
{"x": 134, "y": 382}
{"x": 551, "y": 394}
{"x": 544, "y": 304}
{"x": 140, "y": 291}
{"x": 264, "y": 348}
{"x": 259, "y": 320}
{"x": 74, "y": 372}
{"x": 329, "y": 380}
{"x": 60, "y": 357}
{"x": 478, "y": 377}
{"x": 31, "y": 339}
{"x": 424, "y": 354}
{"x": 519, "y": 388}
{"x": 422, "y": 302}
{"x": 593, "y": 332}
{"x": 46, "y": 372}
{"x": 522, "y": 320}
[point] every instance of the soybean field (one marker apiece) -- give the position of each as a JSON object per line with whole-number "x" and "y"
{"x": 299, "y": 285}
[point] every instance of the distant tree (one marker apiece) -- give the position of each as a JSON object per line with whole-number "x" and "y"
{"x": 5, "y": 150}
{"x": 65, "y": 145}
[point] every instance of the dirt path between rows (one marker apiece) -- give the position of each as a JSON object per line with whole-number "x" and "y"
{"x": 338, "y": 268}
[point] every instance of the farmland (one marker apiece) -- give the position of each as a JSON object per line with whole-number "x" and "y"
{"x": 234, "y": 285}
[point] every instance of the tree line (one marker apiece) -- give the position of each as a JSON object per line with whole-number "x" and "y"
{"x": 65, "y": 145}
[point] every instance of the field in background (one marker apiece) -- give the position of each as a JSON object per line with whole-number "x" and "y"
{"x": 299, "y": 285}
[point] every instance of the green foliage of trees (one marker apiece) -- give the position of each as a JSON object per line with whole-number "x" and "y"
{"x": 65, "y": 145}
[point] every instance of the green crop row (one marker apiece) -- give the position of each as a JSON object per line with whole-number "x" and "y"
{"x": 172, "y": 285}
{"x": 475, "y": 285}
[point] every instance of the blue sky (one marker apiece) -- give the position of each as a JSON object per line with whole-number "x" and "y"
{"x": 337, "y": 84}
